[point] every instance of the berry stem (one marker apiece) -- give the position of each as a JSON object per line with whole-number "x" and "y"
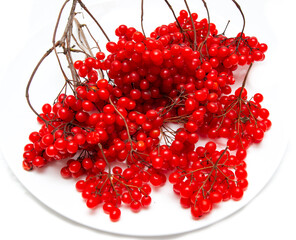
{"x": 243, "y": 16}
{"x": 244, "y": 81}
{"x": 103, "y": 154}
{"x": 192, "y": 22}
{"x": 82, "y": 37}
{"x": 64, "y": 41}
{"x": 214, "y": 167}
{"x": 124, "y": 120}
{"x": 177, "y": 21}
{"x": 48, "y": 52}
{"x": 142, "y": 17}
{"x": 223, "y": 33}
{"x": 208, "y": 33}
{"x": 95, "y": 20}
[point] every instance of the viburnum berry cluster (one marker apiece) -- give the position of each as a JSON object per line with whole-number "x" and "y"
{"x": 135, "y": 116}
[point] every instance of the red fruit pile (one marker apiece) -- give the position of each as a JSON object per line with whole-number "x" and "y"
{"x": 179, "y": 77}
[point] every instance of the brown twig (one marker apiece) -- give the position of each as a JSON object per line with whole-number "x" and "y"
{"x": 65, "y": 44}
{"x": 244, "y": 81}
{"x": 208, "y": 33}
{"x": 177, "y": 21}
{"x": 193, "y": 26}
{"x": 243, "y": 16}
{"x": 82, "y": 38}
{"x": 93, "y": 18}
{"x": 48, "y": 52}
{"x": 142, "y": 17}
{"x": 63, "y": 40}
{"x": 223, "y": 33}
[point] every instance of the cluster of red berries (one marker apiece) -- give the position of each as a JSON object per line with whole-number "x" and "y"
{"x": 182, "y": 74}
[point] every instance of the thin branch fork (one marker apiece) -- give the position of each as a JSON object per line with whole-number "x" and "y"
{"x": 65, "y": 43}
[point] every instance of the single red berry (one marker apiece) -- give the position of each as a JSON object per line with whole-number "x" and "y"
{"x": 115, "y": 214}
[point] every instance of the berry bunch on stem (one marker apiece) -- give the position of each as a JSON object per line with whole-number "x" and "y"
{"x": 127, "y": 120}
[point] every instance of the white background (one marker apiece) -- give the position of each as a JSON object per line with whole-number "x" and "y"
{"x": 269, "y": 215}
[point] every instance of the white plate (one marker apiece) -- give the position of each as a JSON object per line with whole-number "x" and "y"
{"x": 165, "y": 216}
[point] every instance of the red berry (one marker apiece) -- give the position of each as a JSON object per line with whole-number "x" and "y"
{"x": 115, "y": 214}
